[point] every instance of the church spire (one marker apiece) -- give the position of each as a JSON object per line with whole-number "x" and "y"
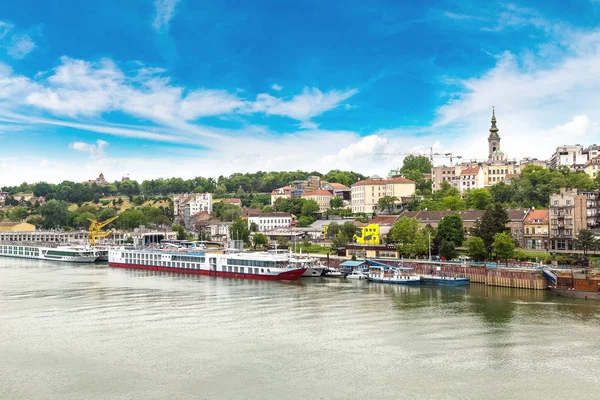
{"x": 494, "y": 129}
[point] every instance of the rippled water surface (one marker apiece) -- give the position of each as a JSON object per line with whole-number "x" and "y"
{"x": 92, "y": 332}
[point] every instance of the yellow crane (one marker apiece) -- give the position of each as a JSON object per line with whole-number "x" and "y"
{"x": 94, "y": 231}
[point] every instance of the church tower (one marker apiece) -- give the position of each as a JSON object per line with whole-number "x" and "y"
{"x": 495, "y": 154}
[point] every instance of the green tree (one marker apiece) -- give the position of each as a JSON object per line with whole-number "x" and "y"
{"x": 282, "y": 242}
{"x": 259, "y": 239}
{"x": 453, "y": 203}
{"x": 309, "y": 208}
{"x": 180, "y": 232}
{"x": 409, "y": 237}
{"x": 476, "y": 249}
{"x": 418, "y": 163}
{"x": 332, "y": 230}
{"x": 349, "y": 230}
{"x": 387, "y": 203}
{"x": 336, "y": 202}
{"x": 494, "y": 221}
{"x": 17, "y": 213}
{"x": 451, "y": 228}
{"x": 131, "y": 219}
{"x": 478, "y": 199}
{"x": 239, "y": 231}
{"x": 585, "y": 240}
{"x": 448, "y": 250}
{"x": 253, "y": 227}
{"x": 55, "y": 213}
{"x": 305, "y": 221}
{"x": 340, "y": 240}
{"x": 503, "y": 245}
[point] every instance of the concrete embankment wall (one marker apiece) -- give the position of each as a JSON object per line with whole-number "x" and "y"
{"x": 493, "y": 277}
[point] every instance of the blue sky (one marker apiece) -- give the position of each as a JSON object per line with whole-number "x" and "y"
{"x": 160, "y": 88}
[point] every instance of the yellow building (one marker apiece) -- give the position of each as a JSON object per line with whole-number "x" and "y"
{"x": 592, "y": 167}
{"x": 368, "y": 234}
{"x": 16, "y": 227}
{"x": 366, "y": 194}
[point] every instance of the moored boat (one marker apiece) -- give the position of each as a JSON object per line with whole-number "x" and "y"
{"x": 266, "y": 266}
{"x": 445, "y": 280}
{"x": 357, "y": 274}
{"x": 60, "y": 253}
{"x": 577, "y": 283}
{"x": 395, "y": 275}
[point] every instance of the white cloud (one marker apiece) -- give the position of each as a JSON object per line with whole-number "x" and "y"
{"x": 5, "y": 27}
{"x": 302, "y": 107}
{"x": 164, "y": 10}
{"x": 20, "y": 46}
{"x": 277, "y": 87}
{"x": 308, "y": 125}
{"x": 94, "y": 150}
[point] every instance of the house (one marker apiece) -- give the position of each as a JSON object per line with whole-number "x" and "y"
{"x": 281, "y": 193}
{"x": 516, "y": 222}
{"x": 536, "y": 230}
{"x": 322, "y": 197}
{"x": 471, "y": 178}
{"x": 269, "y": 221}
{"x": 338, "y": 190}
{"x": 433, "y": 218}
{"x": 234, "y": 201}
{"x": 385, "y": 223}
{"x": 98, "y": 181}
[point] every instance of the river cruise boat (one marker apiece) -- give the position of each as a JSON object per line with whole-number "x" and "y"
{"x": 60, "y": 253}
{"x": 267, "y": 266}
{"x": 577, "y": 283}
{"x": 395, "y": 275}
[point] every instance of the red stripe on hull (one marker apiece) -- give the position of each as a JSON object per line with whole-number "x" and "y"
{"x": 284, "y": 276}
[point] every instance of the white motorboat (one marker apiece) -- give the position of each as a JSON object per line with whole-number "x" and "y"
{"x": 356, "y": 274}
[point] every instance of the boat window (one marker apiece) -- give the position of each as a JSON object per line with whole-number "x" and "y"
{"x": 262, "y": 270}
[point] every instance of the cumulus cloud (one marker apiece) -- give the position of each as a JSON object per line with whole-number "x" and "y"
{"x": 164, "y": 10}
{"x": 277, "y": 87}
{"x": 20, "y": 46}
{"x": 95, "y": 151}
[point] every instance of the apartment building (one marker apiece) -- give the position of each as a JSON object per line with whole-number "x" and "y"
{"x": 573, "y": 156}
{"x": 516, "y": 224}
{"x": 366, "y": 194}
{"x": 322, "y": 197}
{"x": 536, "y": 231}
{"x": 338, "y": 190}
{"x": 568, "y": 215}
{"x": 592, "y": 167}
{"x": 471, "y": 178}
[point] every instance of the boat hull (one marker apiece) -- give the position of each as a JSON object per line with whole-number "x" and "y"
{"x": 81, "y": 260}
{"x": 577, "y": 294}
{"x": 290, "y": 275}
{"x": 447, "y": 281}
{"x": 396, "y": 281}
{"x": 313, "y": 272}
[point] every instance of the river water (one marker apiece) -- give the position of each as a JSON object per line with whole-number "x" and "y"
{"x": 92, "y": 332}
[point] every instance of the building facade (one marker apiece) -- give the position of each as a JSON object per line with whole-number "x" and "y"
{"x": 322, "y": 197}
{"x": 269, "y": 221}
{"x": 338, "y": 190}
{"x": 592, "y": 167}
{"x": 572, "y": 156}
{"x": 568, "y": 215}
{"x": 366, "y": 194}
{"x": 536, "y": 232}
{"x": 281, "y": 193}
{"x": 471, "y": 178}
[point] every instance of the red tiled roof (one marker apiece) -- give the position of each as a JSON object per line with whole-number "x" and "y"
{"x": 285, "y": 189}
{"x": 384, "y": 219}
{"x": 336, "y": 185}
{"x": 382, "y": 181}
{"x": 317, "y": 193}
{"x": 232, "y": 201}
{"x": 470, "y": 171}
{"x": 541, "y": 215}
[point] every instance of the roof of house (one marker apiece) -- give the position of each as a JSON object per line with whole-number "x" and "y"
{"x": 518, "y": 214}
{"x": 336, "y": 185}
{"x": 231, "y": 201}
{"x": 470, "y": 171}
{"x": 318, "y": 192}
{"x": 271, "y": 214}
{"x": 384, "y": 219}
{"x": 382, "y": 181}
{"x": 351, "y": 263}
{"x": 541, "y": 215}
{"x": 285, "y": 189}
{"x": 436, "y": 216}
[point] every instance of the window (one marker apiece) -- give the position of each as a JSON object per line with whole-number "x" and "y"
{"x": 568, "y": 202}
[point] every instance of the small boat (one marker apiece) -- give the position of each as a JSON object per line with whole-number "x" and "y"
{"x": 395, "y": 275}
{"x": 357, "y": 274}
{"x": 577, "y": 283}
{"x": 334, "y": 273}
{"x": 445, "y": 280}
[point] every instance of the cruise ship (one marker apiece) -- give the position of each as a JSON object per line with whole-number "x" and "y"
{"x": 267, "y": 266}
{"x": 61, "y": 253}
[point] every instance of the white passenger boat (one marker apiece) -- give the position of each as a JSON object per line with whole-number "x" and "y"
{"x": 269, "y": 266}
{"x": 61, "y": 253}
{"x": 396, "y": 275}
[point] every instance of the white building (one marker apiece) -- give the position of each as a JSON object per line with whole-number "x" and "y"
{"x": 3, "y": 195}
{"x": 281, "y": 193}
{"x": 471, "y": 178}
{"x": 570, "y": 156}
{"x": 270, "y": 221}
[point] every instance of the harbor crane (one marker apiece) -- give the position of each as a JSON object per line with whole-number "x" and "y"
{"x": 432, "y": 155}
{"x": 94, "y": 230}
